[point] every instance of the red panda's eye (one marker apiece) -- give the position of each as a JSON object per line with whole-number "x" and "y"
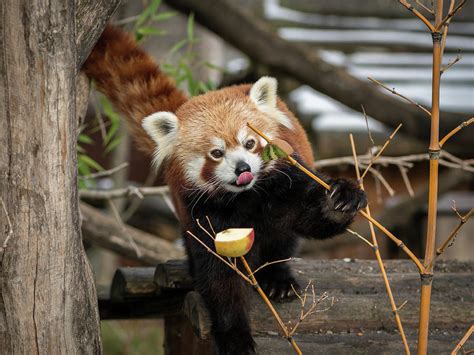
{"x": 216, "y": 153}
{"x": 250, "y": 144}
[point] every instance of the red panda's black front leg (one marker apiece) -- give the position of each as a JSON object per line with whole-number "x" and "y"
{"x": 328, "y": 213}
{"x": 225, "y": 294}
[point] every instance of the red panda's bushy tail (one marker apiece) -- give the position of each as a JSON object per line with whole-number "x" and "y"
{"x": 132, "y": 81}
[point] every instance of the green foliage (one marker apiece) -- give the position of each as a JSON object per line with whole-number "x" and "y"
{"x": 272, "y": 152}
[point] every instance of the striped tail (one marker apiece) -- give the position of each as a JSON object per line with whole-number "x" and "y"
{"x": 132, "y": 81}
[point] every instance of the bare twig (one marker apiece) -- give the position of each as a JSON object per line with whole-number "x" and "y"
{"x": 463, "y": 340}
{"x": 426, "y": 8}
{"x": 418, "y": 14}
{"x": 450, "y": 64}
{"x": 268, "y": 263}
{"x": 449, "y": 16}
{"x": 205, "y": 230}
{"x": 360, "y": 237}
{"x": 312, "y": 309}
{"x": 122, "y": 192}
{"x": 425, "y": 110}
{"x": 104, "y": 172}
{"x": 379, "y": 153}
{"x": 452, "y": 236}
{"x": 116, "y": 214}
{"x": 455, "y": 130}
{"x": 406, "y": 180}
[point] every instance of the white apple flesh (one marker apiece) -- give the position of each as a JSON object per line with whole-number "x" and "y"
{"x": 234, "y": 242}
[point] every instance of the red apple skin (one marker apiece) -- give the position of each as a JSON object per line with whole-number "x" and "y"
{"x": 250, "y": 241}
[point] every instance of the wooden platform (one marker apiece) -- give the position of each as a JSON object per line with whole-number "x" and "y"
{"x": 355, "y": 318}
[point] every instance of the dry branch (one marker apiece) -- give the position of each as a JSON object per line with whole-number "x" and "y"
{"x": 104, "y": 231}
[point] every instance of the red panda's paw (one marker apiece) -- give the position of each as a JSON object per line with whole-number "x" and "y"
{"x": 346, "y": 197}
{"x": 281, "y": 290}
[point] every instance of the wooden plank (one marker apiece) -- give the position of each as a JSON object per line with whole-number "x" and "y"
{"x": 358, "y": 342}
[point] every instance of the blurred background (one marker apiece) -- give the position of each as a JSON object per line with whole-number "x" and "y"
{"x": 351, "y": 40}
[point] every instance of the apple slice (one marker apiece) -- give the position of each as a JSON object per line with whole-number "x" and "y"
{"x": 234, "y": 242}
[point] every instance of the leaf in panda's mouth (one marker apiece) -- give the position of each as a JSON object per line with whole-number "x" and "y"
{"x": 277, "y": 149}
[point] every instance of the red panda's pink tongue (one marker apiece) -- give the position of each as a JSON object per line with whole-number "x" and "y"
{"x": 244, "y": 178}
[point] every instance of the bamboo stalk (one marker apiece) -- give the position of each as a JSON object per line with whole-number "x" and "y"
{"x": 378, "y": 256}
{"x": 434, "y": 150}
{"x": 270, "y": 306}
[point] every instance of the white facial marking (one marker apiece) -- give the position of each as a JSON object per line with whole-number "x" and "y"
{"x": 264, "y": 95}
{"x": 218, "y": 143}
{"x": 162, "y": 127}
{"x": 225, "y": 171}
{"x": 194, "y": 167}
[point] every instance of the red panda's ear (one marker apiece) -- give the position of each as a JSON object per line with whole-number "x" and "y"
{"x": 264, "y": 94}
{"x": 162, "y": 127}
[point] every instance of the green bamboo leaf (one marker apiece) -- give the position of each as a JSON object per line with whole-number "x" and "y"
{"x": 149, "y": 11}
{"x": 150, "y": 31}
{"x": 190, "y": 28}
{"x": 163, "y": 16}
{"x": 83, "y": 138}
{"x": 112, "y": 145}
{"x": 91, "y": 163}
{"x": 279, "y": 152}
{"x": 178, "y": 46}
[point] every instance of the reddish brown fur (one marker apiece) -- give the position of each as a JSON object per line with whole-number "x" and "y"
{"x": 132, "y": 80}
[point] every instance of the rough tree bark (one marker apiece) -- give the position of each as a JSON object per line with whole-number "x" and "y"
{"x": 48, "y": 302}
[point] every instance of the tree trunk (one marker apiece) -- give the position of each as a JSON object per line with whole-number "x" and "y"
{"x": 48, "y": 302}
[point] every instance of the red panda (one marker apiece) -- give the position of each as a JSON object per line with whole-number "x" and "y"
{"x": 212, "y": 164}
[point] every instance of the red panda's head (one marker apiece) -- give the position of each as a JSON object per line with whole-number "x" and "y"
{"x": 209, "y": 138}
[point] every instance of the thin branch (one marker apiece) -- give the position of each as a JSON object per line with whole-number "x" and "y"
{"x": 270, "y": 263}
{"x": 116, "y": 214}
{"x": 455, "y": 130}
{"x": 463, "y": 340}
{"x": 406, "y": 180}
{"x": 379, "y": 153}
{"x": 445, "y": 29}
{"x": 424, "y": 109}
{"x": 449, "y": 16}
{"x": 205, "y": 230}
{"x": 122, "y": 192}
{"x": 450, "y": 64}
{"x": 360, "y": 237}
{"x": 452, "y": 236}
{"x": 418, "y": 14}
{"x": 378, "y": 175}
{"x": 104, "y": 172}
{"x": 426, "y": 8}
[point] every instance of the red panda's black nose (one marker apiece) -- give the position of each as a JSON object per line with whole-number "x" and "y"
{"x": 241, "y": 167}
